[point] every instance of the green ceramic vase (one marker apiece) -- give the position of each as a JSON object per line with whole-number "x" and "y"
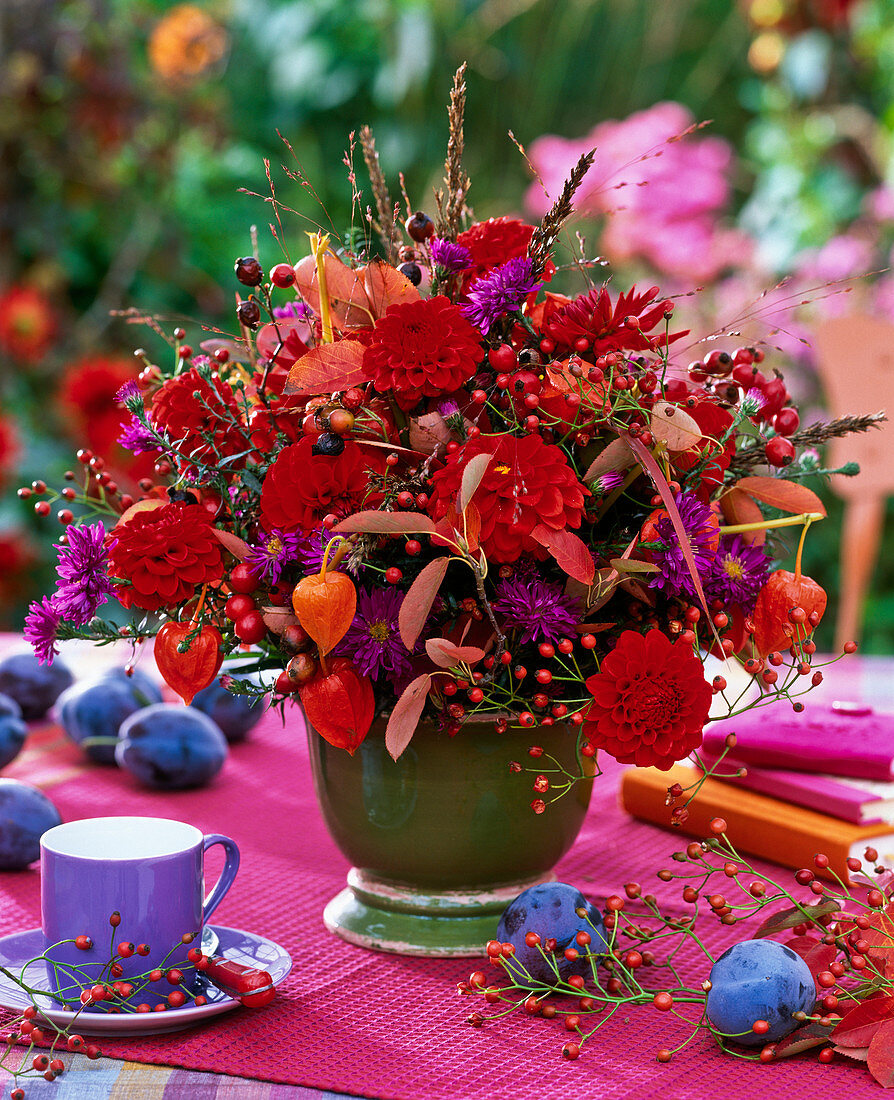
{"x": 444, "y": 838}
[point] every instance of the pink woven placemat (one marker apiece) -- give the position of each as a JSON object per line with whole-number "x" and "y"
{"x": 377, "y": 1025}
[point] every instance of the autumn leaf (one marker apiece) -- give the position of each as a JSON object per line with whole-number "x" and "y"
{"x": 648, "y": 463}
{"x": 570, "y": 552}
{"x": 418, "y": 601}
{"x": 236, "y": 546}
{"x": 817, "y": 955}
{"x": 473, "y": 471}
{"x": 385, "y": 286}
{"x": 406, "y": 714}
{"x": 385, "y": 523}
{"x": 347, "y": 295}
{"x": 860, "y": 1023}
{"x": 738, "y": 507}
{"x": 778, "y": 492}
{"x": 613, "y": 457}
{"x": 790, "y": 918}
{"x": 880, "y": 1062}
{"x": 445, "y": 654}
{"x": 328, "y": 367}
{"x": 810, "y": 1035}
{"x": 674, "y": 427}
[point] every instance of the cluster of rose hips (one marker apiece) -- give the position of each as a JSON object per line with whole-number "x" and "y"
{"x": 729, "y": 375}
{"x": 99, "y": 491}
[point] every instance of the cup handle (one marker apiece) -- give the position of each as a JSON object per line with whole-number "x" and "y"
{"x": 231, "y": 866}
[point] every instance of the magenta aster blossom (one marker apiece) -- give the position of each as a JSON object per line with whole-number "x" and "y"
{"x": 83, "y": 585}
{"x": 41, "y": 624}
{"x": 136, "y": 437}
{"x": 129, "y": 392}
{"x": 739, "y": 572}
{"x": 449, "y": 256}
{"x": 698, "y": 520}
{"x": 501, "y": 291}
{"x": 373, "y": 639}
{"x": 273, "y": 552}
{"x": 296, "y": 310}
{"x": 538, "y": 608}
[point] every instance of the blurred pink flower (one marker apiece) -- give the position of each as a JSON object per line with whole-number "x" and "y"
{"x": 840, "y": 257}
{"x": 662, "y": 194}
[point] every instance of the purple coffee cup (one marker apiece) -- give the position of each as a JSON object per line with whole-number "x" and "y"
{"x": 147, "y": 871}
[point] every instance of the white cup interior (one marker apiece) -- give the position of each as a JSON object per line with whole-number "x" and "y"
{"x": 120, "y": 838}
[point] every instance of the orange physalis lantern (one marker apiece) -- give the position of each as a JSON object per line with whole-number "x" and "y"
{"x": 339, "y": 704}
{"x": 326, "y": 603}
{"x": 190, "y": 670}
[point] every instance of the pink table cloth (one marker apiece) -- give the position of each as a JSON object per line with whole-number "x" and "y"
{"x": 359, "y": 1022}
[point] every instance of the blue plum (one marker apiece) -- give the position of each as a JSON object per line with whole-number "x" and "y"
{"x": 236, "y": 715}
{"x": 25, "y": 815}
{"x": 12, "y": 730}
{"x": 759, "y": 980}
{"x": 169, "y": 747}
{"x": 96, "y": 708}
{"x": 552, "y": 911}
{"x": 35, "y": 687}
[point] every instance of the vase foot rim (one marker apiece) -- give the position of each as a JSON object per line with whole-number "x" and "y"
{"x": 405, "y": 921}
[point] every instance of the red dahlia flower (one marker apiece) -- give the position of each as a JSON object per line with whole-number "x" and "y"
{"x": 493, "y": 243}
{"x": 27, "y": 323}
{"x": 422, "y": 349}
{"x": 87, "y": 397}
{"x": 9, "y": 448}
{"x": 301, "y": 488}
{"x": 528, "y": 482}
{"x": 593, "y": 317}
{"x": 204, "y": 427}
{"x": 650, "y": 701}
{"x": 166, "y": 553}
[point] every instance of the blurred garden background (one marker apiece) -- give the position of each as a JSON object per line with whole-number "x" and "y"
{"x": 130, "y": 131}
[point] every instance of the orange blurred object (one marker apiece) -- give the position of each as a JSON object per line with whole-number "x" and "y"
{"x": 186, "y": 43}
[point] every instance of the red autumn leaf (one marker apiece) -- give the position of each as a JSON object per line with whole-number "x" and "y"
{"x": 816, "y": 955}
{"x": 236, "y": 349}
{"x": 782, "y": 592}
{"x": 278, "y": 619}
{"x": 473, "y": 472}
{"x": 385, "y": 286}
{"x": 385, "y": 523}
{"x": 615, "y": 456}
{"x": 472, "y": 526}
{"x": 880, "y": 938}
{"x": 280, "y": 342}
{"x": 646, "y": 460}
{"x": 880, "y": 1062}
{"x": 738, "y": 507}
{"x": 418, "y": 601}
{"x": 189, "y": 672}
{"x": 859, "y": 1054}
{"x": 789, "y": 918}
{"x": 810, "y": 1035}
{"x": 328, "y": 367}
{"x": 446, "y": 655}
{"x": 787, "y": 496}
{"x": 339, "y": 704}
{"x": 325, "y": 604}
{"x": 237, "y": 547}
{"x": 861, "y": 1022}
{"x": 348, "y": 300}
{"x": 570, "y": 552}
{"x": 405, "y": 715}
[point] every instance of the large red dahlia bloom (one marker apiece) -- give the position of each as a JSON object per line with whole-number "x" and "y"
{"x": 166, "y": 553}
{"x": 202, "y": 419}
{"x": 528, "y": 482}
{"x": 301, "y": 488}
{"x": 650, "y": 701}
{"x": 422, "y": 349}
{"x": 605, "y": 326}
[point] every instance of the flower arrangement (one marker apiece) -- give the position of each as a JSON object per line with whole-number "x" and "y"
{"x": 426, "y": 485}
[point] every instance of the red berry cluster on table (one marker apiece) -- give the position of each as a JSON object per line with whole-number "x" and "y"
{"x": 419, "y": 480}
{"x": 828, "y": 986}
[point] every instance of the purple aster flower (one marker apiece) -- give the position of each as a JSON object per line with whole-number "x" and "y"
{"x": 41, "y": 624}
{"x": 274, "y": 551}
{"x": 130, "y": 391}
{"x": 449, "y": 256}
{"x": 606, "y": 483}
{"x": 294, "y": 311}
{"x": 373, "y": 639}
{"x": 698, "y": 521}
{"x": 739, "y": 572}
{"x": 502, "y": 290}
{"x": 136, "y": 437}
{"x": 539, "y": 608}
{"x": 83, "y": 585}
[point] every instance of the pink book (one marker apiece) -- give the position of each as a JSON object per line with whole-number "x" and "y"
{"x": 862, "y": 801}
{"x": 844, "y": 739}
